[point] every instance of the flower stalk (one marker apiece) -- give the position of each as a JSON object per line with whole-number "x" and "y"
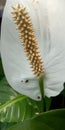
{"x": 42, "y": 93}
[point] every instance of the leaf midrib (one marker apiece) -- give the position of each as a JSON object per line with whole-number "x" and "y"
{"x": 11, "y": 102}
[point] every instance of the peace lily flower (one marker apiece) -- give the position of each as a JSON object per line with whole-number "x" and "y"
{"x": 15, "y": 57}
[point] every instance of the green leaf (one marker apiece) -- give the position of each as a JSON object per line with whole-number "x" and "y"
{"x": 17, "y": 110}
{"x": 6, "y": 92}
{"x": 52, "y": 120}
{"x": 15, "y": 107}
{"x": 4, "y": 126}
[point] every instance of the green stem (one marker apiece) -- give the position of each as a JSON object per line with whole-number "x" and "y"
{"x": 42, "y": 93}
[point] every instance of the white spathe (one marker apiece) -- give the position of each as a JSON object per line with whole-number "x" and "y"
{"x": 49, "y": 26}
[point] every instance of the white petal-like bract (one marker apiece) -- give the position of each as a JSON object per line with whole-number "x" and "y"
{"x": 48, "y": 19}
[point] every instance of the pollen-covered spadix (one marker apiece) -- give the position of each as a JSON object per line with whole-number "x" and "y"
{"x": 28, "y": 38}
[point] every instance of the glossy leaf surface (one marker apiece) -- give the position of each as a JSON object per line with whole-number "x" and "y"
{"x": 52, "y": 120}
{"x": 15, "y": 107}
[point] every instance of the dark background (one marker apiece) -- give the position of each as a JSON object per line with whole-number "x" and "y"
{"x": 2, "y": 4}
